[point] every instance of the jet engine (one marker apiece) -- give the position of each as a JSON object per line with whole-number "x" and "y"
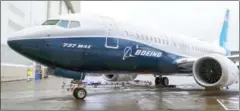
{"x": 119, "y": 77}
{"x": 215, "y": 71}
{"x": 65, "y": 73}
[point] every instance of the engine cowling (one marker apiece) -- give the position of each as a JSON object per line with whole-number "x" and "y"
{"x": 215, "y": 71}
{"x": 119, "y": 77}
{"x": 65, "y": 73}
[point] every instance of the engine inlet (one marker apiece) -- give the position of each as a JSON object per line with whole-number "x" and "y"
{"x": 210, "y": 71}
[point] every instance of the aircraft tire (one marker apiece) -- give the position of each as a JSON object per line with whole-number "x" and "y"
{"x": 79, "y": 93}
{"x": 157, "y": 81}
{"x": 165, "y": 81}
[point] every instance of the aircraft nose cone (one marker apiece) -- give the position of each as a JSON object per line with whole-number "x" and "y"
{"x": 25, "y": 47}
{"x": 19, "y": 42}
{"x": 13, "y": 44}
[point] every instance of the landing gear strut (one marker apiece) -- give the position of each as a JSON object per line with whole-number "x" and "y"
{"x": 77, "y": 88}
{"x": 163, "y": 81}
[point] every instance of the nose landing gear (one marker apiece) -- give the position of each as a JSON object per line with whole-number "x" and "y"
{"x": 77, "y": 88}
{"x": 79, "y": 93}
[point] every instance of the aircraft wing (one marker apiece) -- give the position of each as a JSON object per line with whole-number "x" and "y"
{"x": 234, "y": 58}
{"x": 234, "y": 52}
{"x": 185, "y": 64}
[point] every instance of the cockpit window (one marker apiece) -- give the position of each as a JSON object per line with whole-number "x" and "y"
{"x": 74, "y": 24}
{"x": 63, "y": 23}
{"x": 51, "y": 22}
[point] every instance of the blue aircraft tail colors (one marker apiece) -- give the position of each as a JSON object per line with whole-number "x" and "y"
{"x": 224, "y": 32}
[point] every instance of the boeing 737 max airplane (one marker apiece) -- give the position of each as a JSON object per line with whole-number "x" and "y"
{"x": 73, "y": 45}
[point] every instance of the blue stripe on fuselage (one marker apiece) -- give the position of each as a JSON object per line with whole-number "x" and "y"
{"x": 93, "y": 55}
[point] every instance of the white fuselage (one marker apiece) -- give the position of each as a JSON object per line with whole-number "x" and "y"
{"x": 173, "y": 43}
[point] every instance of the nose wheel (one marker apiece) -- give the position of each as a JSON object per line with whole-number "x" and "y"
{"x": 163, "y": 81}
{"x": 77, "y": 88}
{"x": 79, "y": 93}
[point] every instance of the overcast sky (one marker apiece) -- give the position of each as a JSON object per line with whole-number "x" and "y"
{"x": 200, "y": 19}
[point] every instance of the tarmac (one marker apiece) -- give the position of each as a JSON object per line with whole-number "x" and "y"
{"x": 47, "y": 94}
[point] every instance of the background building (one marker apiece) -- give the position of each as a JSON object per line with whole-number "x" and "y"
{"x": 17, "y": 15}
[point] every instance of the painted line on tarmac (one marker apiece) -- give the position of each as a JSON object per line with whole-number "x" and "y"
{"x": 222, "y": 104}
{"x": 20, "y": 92}
{"x": 27, "y": 94}
{"x": 33, "y": 91}
{"x": 23, "y": 96}
{"x": 232, "y": 103}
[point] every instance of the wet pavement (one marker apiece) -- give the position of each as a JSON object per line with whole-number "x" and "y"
{"x": 47, "y": 94}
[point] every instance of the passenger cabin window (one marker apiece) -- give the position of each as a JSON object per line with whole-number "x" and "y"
{"x": 181, "y": 46}
{"x": 167, "y": 41}
{"x": 126, "y": 33}
{"x": 146, "y": 37}
{"x": 63, "y": 23}
{"x": 159, "y": 40}
{"x": 142, "y": 37}
{"x": 163, "y": 41}
{"x": 137, "y": 35}
{"x": 155, "y": 39}
{"x": 151, "y": 38}
{"x": 174, "y": 44}
{"x": 74, "y": 24}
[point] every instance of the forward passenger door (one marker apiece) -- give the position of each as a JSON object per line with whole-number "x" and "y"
{"x": 111, "y": 40}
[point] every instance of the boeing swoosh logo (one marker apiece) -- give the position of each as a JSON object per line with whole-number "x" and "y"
{"x": 127, "y": 53}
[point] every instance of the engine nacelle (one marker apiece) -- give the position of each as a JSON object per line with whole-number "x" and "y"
{"x": 215, "y": 71}
{"x": 119, "y": 77}
{"x": 65, "y": 73}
